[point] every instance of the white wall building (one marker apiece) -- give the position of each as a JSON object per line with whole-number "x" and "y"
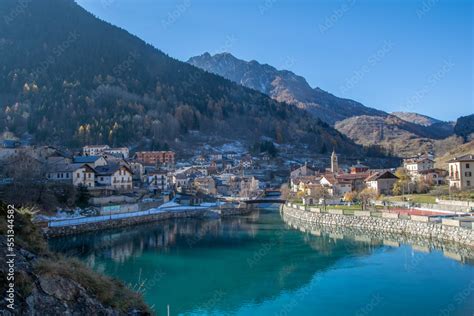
{"x": 461, "y": 172}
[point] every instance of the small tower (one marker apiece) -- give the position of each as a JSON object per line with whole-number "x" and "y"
{"x": 334, "y": 165}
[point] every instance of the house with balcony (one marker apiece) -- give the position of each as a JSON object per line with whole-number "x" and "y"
{"x": 72, "y": 173}
{"x": 114, "y": 176}
{"x": 415, "y": 165}
{"x": 461, "y": 172}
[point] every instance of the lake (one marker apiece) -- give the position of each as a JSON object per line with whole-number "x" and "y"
{"x": 259, "y": 264}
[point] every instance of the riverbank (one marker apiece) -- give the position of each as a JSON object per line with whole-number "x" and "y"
{"x": 451, "y": 250}
{"x": 425, "y": 229}
{"x": 97, "y": 223}
{"x": 48, "y": 283}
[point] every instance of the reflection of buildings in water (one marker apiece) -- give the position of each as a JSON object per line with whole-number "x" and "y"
{"x": 121, "y": 244}
{"x": 322, "y": 237}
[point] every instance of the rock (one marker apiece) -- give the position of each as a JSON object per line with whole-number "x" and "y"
{"x": 59, "y": 287}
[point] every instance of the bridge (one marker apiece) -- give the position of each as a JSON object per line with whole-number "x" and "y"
{"x": 270, "y": 196}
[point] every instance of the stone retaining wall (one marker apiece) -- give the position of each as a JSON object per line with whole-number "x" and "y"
{"x": 429, "y": 230}
{"x": 130, "y": 221}
{"x": 450, "y": 249}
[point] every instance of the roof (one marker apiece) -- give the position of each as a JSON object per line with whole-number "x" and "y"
{"x": 96, "y": 146}
{"x": 416, "y": 160}
{"x": 352, "y": 176}
{"x": 307, "y": 179}
{"x": 434, "y": 170}
{"x": 110, "y": 169}
{"x": 86, "y": 159}
{"x": 330, "y": 178}
{"x": 359, "y": 165}
{"x": 468, "y": 157}
{"x": 68, "y": 167}
{"x": 8, "y": 143}
{"x": 381, "y": 175}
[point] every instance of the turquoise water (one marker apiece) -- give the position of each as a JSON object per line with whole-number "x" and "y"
{"x": 259, "y": 265}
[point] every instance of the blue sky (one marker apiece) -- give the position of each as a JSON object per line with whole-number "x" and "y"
{"x": 392, "y": 55}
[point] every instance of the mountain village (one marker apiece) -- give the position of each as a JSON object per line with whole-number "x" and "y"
{"x": 114, "y": 180}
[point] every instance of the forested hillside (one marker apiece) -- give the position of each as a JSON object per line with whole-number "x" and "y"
{"x": 69, "y": 78}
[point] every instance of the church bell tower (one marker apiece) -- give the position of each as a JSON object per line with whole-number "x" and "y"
{"x": 334, "y": 165}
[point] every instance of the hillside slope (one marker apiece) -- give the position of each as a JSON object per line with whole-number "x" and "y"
{"x": 351, "y": 118}
{"x": 399, "y": 137}
{"x": 461, "y": 150}
{"x": 282, "y": 85}
{"x": 67, "y": 77}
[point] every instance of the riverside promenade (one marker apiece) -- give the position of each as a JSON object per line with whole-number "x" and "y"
{"x": 449, "y": 229}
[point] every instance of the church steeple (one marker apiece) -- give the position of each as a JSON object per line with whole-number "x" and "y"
{"x": 334, "y": 164}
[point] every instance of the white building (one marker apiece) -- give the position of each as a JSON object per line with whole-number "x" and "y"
{"x": 461, "y": 172}
{"x": 117, "y": 177}
{"x": 159, "y": 180}
{"x": 122, "y": 152}
{"x": 382, "y": 182}
{"x": 75, "y": 174}
{"x": 94, "y": 150}
{"x": 415, "y": 165}
{"x": 93, "y": 161}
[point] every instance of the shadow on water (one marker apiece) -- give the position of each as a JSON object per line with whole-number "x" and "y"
{"x": 202, "y": 265}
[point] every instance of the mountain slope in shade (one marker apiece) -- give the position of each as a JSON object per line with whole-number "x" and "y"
{"x": 67, "y": 77}
{"x": 465, "y": 127}
{"x": 283, "y": 85}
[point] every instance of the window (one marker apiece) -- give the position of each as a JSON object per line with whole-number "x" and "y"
{"x": 467, "y": 166}
{"x": 468, "y": 183}
{"x": 467, "y": 173}
{"x": 78, "y": 175}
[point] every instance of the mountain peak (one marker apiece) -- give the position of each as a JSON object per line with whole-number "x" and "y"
{"x": 282, "y": 85}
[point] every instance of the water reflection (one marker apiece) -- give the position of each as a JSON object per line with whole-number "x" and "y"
{"x": 378, "y": 238}
{"x": 222, "y": 266}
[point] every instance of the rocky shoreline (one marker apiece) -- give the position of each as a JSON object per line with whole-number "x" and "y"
{"x": 405, "y": 227}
